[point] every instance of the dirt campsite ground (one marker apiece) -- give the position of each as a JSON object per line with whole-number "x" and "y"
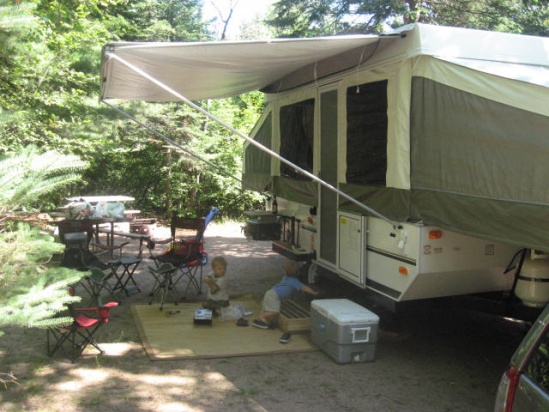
{"x": 430, "y": 359}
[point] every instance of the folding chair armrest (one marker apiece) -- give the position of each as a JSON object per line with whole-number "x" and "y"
{"x": 96, "y": 308}
{"x": 161, "y": 241}
{"x": 109, "y": 305}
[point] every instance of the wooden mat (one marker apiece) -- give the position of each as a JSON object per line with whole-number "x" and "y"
{"x": 176, "y": 337}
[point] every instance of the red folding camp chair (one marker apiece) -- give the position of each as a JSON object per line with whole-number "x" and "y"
{"x": 80, "y": 333}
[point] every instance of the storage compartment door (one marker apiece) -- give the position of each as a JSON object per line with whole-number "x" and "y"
{"x": 351, "y": 241}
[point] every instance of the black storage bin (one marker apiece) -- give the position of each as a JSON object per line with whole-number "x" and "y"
{"x": 259, "y": 230}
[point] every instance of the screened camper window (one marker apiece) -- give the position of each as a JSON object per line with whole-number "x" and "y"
{"x": 296, "y": 137}
{"x": 367, "y": 134}
{"x": 256, "y": 160}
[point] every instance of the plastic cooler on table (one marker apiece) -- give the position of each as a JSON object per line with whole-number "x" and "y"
{"x": 344, "y": 330}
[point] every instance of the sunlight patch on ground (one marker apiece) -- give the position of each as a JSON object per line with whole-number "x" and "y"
{"x": 219, "y": 380}
{"x": 44, "y": 370}
{"x": 83, "y": 377}
{"x": 177, "y": 407}
{"x": 114, "y": 349}
{"x": 165, "y": 380}
{"x": 227, "y": 229}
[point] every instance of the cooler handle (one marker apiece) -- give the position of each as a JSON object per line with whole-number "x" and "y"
{"x": 361, "y": 334}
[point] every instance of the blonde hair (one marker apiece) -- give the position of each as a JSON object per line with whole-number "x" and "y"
{"x": 291, "y": 268}
{"x": 219, "y": 261}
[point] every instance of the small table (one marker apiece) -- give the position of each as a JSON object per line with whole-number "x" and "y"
{"x": 128, "y": 268}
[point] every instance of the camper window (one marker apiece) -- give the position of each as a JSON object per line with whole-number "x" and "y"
{"x": 367, "y": 134}
{"x": 296, "y": 137}
{"x": 255, "y": 159}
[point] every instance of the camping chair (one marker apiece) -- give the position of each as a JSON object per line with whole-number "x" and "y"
{"x": 80, "y": 333}
{"x": 163, "y": 282}
{"x": 191, "y": 268}
{"x": 96, "y": 283}
{"x": 186, "y": 253}
{"x": 77, "y": 236}
{"x": 195, "y": 228}
{"x": 209, "y": 217}
{"x": 125, "y": 281}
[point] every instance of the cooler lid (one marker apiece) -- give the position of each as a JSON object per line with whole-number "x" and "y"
{"x": 344, "y": 311}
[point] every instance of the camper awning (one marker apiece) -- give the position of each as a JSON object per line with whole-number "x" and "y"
{"x": 214, "y": 69}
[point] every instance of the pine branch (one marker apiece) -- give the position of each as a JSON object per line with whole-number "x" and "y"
{"x": 6, "y": 378}
{"x": 28, "y": 175}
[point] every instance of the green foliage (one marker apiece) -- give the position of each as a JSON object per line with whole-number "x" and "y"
{"x": 30, "y": 292}
{"x": 291, "y": 18}
{"x": 532, "y": 17}
{"x": 166, "y": 178}
{"x": 28, "y": 177}
{"x": 53, "y": 63}
{"x": 158, "y": 20}
{"x": 295, "y": 18}
{"x": 49, "y": 100}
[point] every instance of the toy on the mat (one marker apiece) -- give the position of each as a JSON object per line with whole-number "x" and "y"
{"x": 202, "y": 317}
{"x": 172, "y": 312}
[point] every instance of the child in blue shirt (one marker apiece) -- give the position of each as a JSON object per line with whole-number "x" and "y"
{"x": 282, "y": 290}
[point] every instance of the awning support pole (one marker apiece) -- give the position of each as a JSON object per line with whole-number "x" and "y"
{"x": 249, "y": 139}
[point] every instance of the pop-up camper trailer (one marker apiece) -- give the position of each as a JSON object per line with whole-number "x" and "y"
{"x": 425, "y": 152}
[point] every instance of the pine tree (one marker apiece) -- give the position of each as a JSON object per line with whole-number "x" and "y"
{"x": 32, "y": 289}
{"x": 29, "y": 175}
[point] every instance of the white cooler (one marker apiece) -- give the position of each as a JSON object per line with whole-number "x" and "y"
{"x": 344, "y": 330}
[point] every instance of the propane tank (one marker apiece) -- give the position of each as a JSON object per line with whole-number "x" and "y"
{"x": 533, "y": 283}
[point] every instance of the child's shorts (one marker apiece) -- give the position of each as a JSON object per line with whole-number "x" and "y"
{"x": 271, "y": 301}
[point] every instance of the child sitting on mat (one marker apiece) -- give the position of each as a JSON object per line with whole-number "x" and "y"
{"x": 217, "y": 295}
{"x": 274, "y": 296}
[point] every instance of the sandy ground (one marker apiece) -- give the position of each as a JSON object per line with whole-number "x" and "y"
{"x": 432, "y": 359}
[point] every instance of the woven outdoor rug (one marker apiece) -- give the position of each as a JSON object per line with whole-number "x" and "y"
{"x": 176, "y": 337}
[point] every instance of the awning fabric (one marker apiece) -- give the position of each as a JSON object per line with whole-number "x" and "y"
{"x": 213, "y": 69}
